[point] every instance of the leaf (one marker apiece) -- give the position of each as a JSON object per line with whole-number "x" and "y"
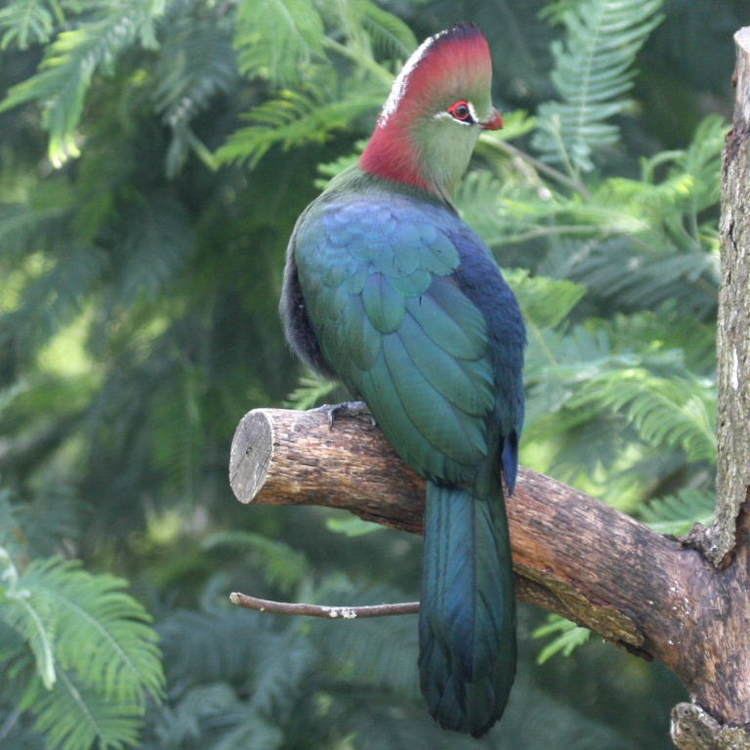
{"x": 311, "y": 390}
{"x": 677, "y": 514}
{"x": 70, "y": 62}
{"x": 253, "y": 733}
{"x": 351, "y": 526}
{"x": 567, "y": 636}
{"x": 283, "y": 566}
{"x": 196, "y": 64}
{"x": 275, "y": 39}
{"x": 593, "y": 71}
{"x": 100, "y": 632}
{"x": 27, "y": 22}
{"x": 54, "y": 298}
{"x": 74, "y": 716}
{"x": 389, "y": 34}
{"x": 308, "y": 115}
{"x": 545, "y": 302}
{"x": 30, "y": 618}
{"x": 279, "y": 672}
{"x": 156, "y": 246}
{"x": 678, "y": 412}
{"x": 202, "y": 647}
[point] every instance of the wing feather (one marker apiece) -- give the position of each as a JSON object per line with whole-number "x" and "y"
{"x": 380, "y": 286}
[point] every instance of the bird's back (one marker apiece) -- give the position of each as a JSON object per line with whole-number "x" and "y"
{"x": 394, "y": 294}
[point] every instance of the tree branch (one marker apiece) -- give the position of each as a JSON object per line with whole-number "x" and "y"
{"x": 344, "y": 612}
{"x": 572, "y": 554}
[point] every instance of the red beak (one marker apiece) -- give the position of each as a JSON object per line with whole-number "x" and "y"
{"x": 494, "y": 123}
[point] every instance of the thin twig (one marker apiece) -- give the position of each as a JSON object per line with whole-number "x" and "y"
{"x": 510, "y": 150}
{"x": 319, "y": 610}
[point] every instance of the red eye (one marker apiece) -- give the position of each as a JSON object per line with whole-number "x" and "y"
{"x": 461, "y": 111}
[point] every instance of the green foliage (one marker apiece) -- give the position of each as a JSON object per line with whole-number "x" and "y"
{"x": 71, "y": 61}
{"x": 282, "y": 565}
{"x": 309, "y": 115}
{"x": 666, "y": 412}
{"x": 676, "y": 514}
{"x": 196, "y": 64}
{"x": 73, "y": 715}
{"x": 277, "y": 38}
{"x": 96, "y": 656}
{"x": 28, "y": 22}
{"x": 593, "y": 71}
{"x": 311, "y": 391}
{"x": 140, "y": 276}
{"x": 566, "y": 637}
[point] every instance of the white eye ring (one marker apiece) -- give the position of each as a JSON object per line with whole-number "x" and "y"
{"x": 451, "y": 118}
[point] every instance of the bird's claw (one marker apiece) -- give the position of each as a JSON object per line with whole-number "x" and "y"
{"x": 346, "y": 409}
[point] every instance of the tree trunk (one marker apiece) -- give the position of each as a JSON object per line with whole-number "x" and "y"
{"x": 734, "y": 318}
{"x": 684, "y": 603}
{"x": 726, "y": 543}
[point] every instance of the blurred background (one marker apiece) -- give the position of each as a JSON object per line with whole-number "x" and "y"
{"x": 154, "y": 157}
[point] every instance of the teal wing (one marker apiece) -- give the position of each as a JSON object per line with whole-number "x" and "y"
{"x": 380, "y": 289}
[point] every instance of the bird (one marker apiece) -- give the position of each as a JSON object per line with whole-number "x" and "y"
{"x": 388, "y": 291}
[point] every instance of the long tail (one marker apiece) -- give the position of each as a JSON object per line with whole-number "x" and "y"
{"x": 467, "y": 637}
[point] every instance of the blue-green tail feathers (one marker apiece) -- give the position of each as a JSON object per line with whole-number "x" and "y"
{"x": 467, "y": 657}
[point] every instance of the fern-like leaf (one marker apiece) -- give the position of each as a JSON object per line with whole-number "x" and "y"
{"x": 312, "y": 390}
{"x": 196, "y": 63}
{"x": 545, "y": 302}
{"x": 155, "y": 247}
{"x": 207, "y": 647}
{"x": 565, "y": 636}
{"x": 99, "y": 631}
{"x": 593, "y": 72}
{"x": 308, "y": 115}
{"x": 676, "y": 412}
{"x": 70, "y": 63}
{"x": 27, "y": 22}
{"x": 74, "y": 716}
{"x": 54, "y": 298}
{"x": 283, "y": 565}
{"x": 29, "y": 618}
{"x": 677, "y": 514}
{"x": 390, "y": 36}
{"x": 276, "y": 38}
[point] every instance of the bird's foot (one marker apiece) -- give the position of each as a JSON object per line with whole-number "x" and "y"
{"x": 346, "y": 409}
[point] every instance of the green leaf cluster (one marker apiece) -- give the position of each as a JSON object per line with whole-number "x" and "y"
{"x": 81, "y": 655}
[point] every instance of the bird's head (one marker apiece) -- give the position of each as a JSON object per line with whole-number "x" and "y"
{"x": 439, "y": 104}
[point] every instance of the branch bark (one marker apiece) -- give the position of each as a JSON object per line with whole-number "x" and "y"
{"x": 726, "y": 544}
{"x": 733, "y": 486}
{"x": 572, "y": 554}
{"x": 318, "y": 610}
{"x": 686, "y": 604}
{"x": 562, "y": 539}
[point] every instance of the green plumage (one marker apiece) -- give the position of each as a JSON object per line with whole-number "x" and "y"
{"x": 466, "y": 672}
{"x": 405, "y": 305}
